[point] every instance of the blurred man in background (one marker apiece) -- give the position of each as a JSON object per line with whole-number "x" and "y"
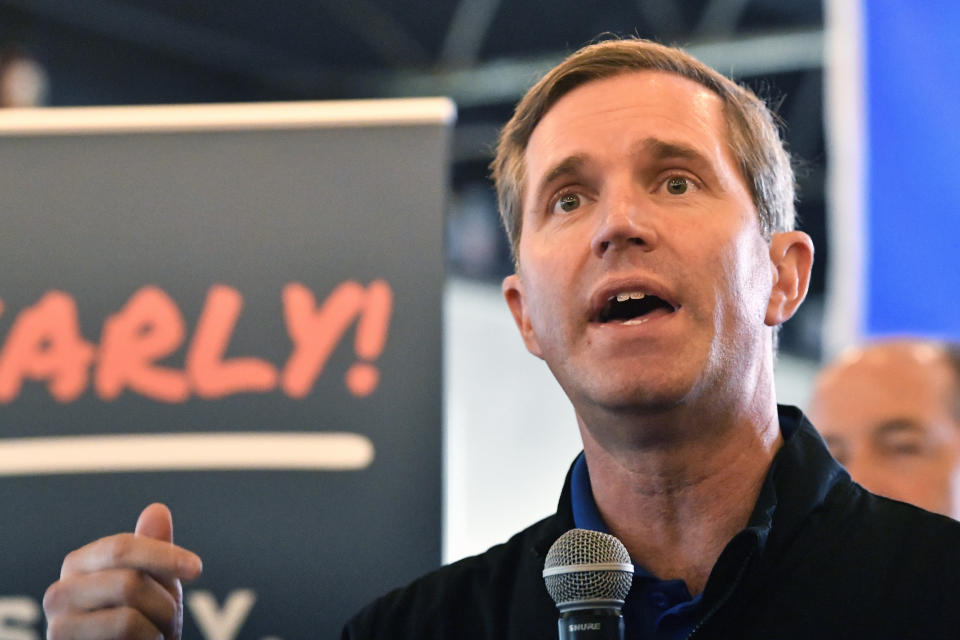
{"x": 890, "y": 413}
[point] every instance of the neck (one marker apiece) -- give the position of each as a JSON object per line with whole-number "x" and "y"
{"x": 676, "y": 502}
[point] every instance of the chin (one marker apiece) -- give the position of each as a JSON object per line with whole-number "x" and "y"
{"x": 629, "y": 387}
{"x": 638, "y": 399}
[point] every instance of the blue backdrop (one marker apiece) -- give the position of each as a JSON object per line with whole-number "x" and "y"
{"x": 912, "y": 59}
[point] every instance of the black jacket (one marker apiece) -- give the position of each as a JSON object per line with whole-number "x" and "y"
{"x": 820, "y": 558}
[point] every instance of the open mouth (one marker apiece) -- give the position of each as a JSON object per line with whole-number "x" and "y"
{"x": 633, "y": 307}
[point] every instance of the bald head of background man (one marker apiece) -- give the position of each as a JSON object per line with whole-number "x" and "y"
{"x": 890, "y": 413}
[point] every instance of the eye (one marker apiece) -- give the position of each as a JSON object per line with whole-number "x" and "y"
{"x": 904, "y": 448}
{"x": 903, "y": 444}
{"x": 567, "y": 202}
{"x": 679, "y": 185}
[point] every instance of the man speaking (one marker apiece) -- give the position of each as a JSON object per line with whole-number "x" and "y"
{"x": 650, "y": 206}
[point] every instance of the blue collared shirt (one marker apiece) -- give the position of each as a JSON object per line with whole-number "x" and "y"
{"x": 654, "y": 609}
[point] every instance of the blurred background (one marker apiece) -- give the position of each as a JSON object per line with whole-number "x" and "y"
{"x": 508, "y": 429}
{"x": 481, "y": 53}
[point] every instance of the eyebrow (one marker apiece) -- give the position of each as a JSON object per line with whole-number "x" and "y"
{"x": 897, "y": 425}
{"x": 568, "y": 166}
{"x": 662, "y": 150}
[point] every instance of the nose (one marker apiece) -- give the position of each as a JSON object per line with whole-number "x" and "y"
{"x": 625, "y": 222}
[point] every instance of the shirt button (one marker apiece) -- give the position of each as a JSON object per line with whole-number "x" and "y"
{"x": 658, "y": 599}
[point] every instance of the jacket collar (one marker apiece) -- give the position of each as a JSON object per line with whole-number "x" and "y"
{"x": 800, "y": 478}
{"x": 802, "y": 475}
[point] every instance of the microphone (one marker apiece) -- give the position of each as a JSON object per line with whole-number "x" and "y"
{"x": 588, "y": 575}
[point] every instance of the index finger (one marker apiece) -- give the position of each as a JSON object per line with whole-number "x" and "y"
{"x": 164, "y": 560}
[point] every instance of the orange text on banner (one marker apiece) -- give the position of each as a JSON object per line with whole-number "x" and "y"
{"x": 45, "y": 344}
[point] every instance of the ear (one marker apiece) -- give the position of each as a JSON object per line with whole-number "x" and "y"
{"x": 514, "y": 294}
{"x": 791, "y": 258}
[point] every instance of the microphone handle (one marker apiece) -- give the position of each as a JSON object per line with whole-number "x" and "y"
{"x": 591, "y": 624}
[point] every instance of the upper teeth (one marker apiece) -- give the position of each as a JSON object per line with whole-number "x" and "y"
{"x": 630, "y": 295}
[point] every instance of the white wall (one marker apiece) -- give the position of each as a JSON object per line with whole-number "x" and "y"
{"x": 510, "y": 433}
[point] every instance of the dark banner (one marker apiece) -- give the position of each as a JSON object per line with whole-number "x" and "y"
{"x": 235, "y": 310}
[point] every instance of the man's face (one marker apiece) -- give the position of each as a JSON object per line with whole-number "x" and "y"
{"x": 886, "y": 413}
{"x": 643, "y": 278}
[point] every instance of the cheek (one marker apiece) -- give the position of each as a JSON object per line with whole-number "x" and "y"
{"x": 741, "y": 287}
{"x": 543, "y": 309}
{"x": 926, "y": 475}
{"x": 738, "y": 286}
{"x": 751, "y": 280}
{"x": 943, "y": 466}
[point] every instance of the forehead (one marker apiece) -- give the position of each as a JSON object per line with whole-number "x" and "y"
{"x": 885, "y": 383}
{"x": 619, "y": 109}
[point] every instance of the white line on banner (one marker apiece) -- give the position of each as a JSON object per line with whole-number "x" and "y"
{"x": 330, "y": 451}
{"x": 225, "y": 117}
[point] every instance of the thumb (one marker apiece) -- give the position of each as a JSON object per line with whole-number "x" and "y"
{"x": 155, "y": 522}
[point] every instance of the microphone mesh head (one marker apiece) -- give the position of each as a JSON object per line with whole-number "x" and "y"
{"x": 585, "y": 547}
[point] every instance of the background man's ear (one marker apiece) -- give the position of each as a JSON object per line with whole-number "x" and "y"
{"x": 791, "y": 258}
{"x": 513, "y": 292}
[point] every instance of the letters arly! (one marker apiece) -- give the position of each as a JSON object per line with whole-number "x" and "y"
{"x": 45, "y": 344}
